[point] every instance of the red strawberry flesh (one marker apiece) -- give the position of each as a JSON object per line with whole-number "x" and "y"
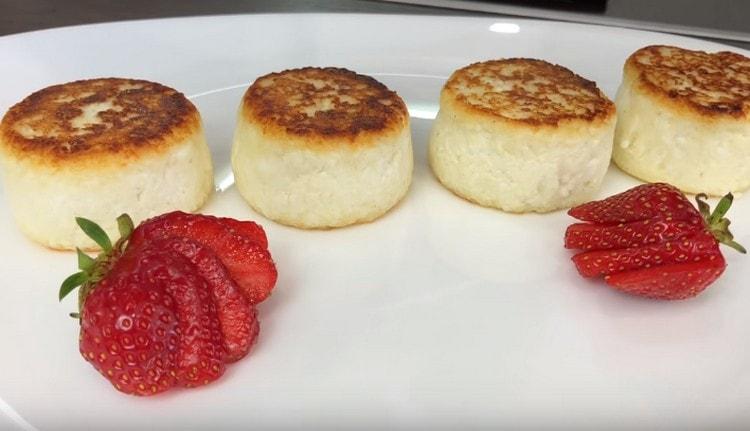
{"x": 250, "y": 266}
{"x": 248, "y": 229}
{"x": 249, "y": 263}
{"x": 200, "y": 358}
{"x": 679, "y": 281}
{"x": 588, "y": 236}
{"x": 238, "y": 320}
{"x": 701, "y": 247}
{"x": 643, "y": 202}
{"x": 129, "y": 334}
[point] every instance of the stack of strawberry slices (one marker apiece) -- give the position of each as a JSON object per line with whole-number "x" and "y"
{"x": 172, "y": 301}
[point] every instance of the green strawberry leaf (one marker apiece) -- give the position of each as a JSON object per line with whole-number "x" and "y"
{"x": 721, "y": 209}
{"x": 125, "y": 226}
{"x": 71, "y": 283}
{"x": 95, "y": 232}
{"x": 85, "y": 262}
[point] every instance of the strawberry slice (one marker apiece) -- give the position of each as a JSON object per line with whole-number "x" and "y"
{"x": 643, "y": 202}
{"x": 176, "y": 223}
{"x": 679, "y": 281}
{"x": 239, "y": 323}
{"x": 697, "y": 248}
{"x": 587, "y": 236}
{"x": 248, "y": 262}
{"x": 248, "y": 229}
{"x": 250, "y": 266}
{"x": 200, "y": 358}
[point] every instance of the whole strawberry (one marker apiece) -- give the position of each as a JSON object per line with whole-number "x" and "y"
{"x": 651, "y": 241}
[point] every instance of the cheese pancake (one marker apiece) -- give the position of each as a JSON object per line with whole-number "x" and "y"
{"x": 322, "y": 147}
{"x": 98, "y": 148}
{"x": 521, "y": 135}
{"x": 685, "y": 119}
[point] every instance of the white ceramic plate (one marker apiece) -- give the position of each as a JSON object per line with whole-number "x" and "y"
{"x": 440, "y": 314}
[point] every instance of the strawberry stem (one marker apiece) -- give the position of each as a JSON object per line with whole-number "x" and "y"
{"x": 717, "y": 223}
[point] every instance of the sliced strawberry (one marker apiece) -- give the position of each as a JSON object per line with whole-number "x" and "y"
{"x": 129, "y": 334}
{"x": 643, "y": 202}
{"x": 587, "y": 236}
{"x": 679, "y": 281}
{"x": 148, "y": 303}
{"x": 250, "y": 264}
{"x": 701, "y": 246}
{"x": 239, "y": 324}
{"x": 651, "y": 241}
{"x": 200, "y": 358}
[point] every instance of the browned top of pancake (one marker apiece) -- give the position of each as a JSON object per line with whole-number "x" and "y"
{"x": 528, "y": 92}
{"x": 710, "y": 84}
{"x": 89, "y": 119}
{"x": 320, "y": 104}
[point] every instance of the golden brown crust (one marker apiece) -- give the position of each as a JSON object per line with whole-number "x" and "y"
{"x": 96, "y": 119}
{"x": 712, "y": 85}
{"x": 321, "y": 105}
{"x": 527, "y": 92}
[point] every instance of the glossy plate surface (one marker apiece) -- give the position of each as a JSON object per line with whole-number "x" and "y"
{"x": 440, "y": 314}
